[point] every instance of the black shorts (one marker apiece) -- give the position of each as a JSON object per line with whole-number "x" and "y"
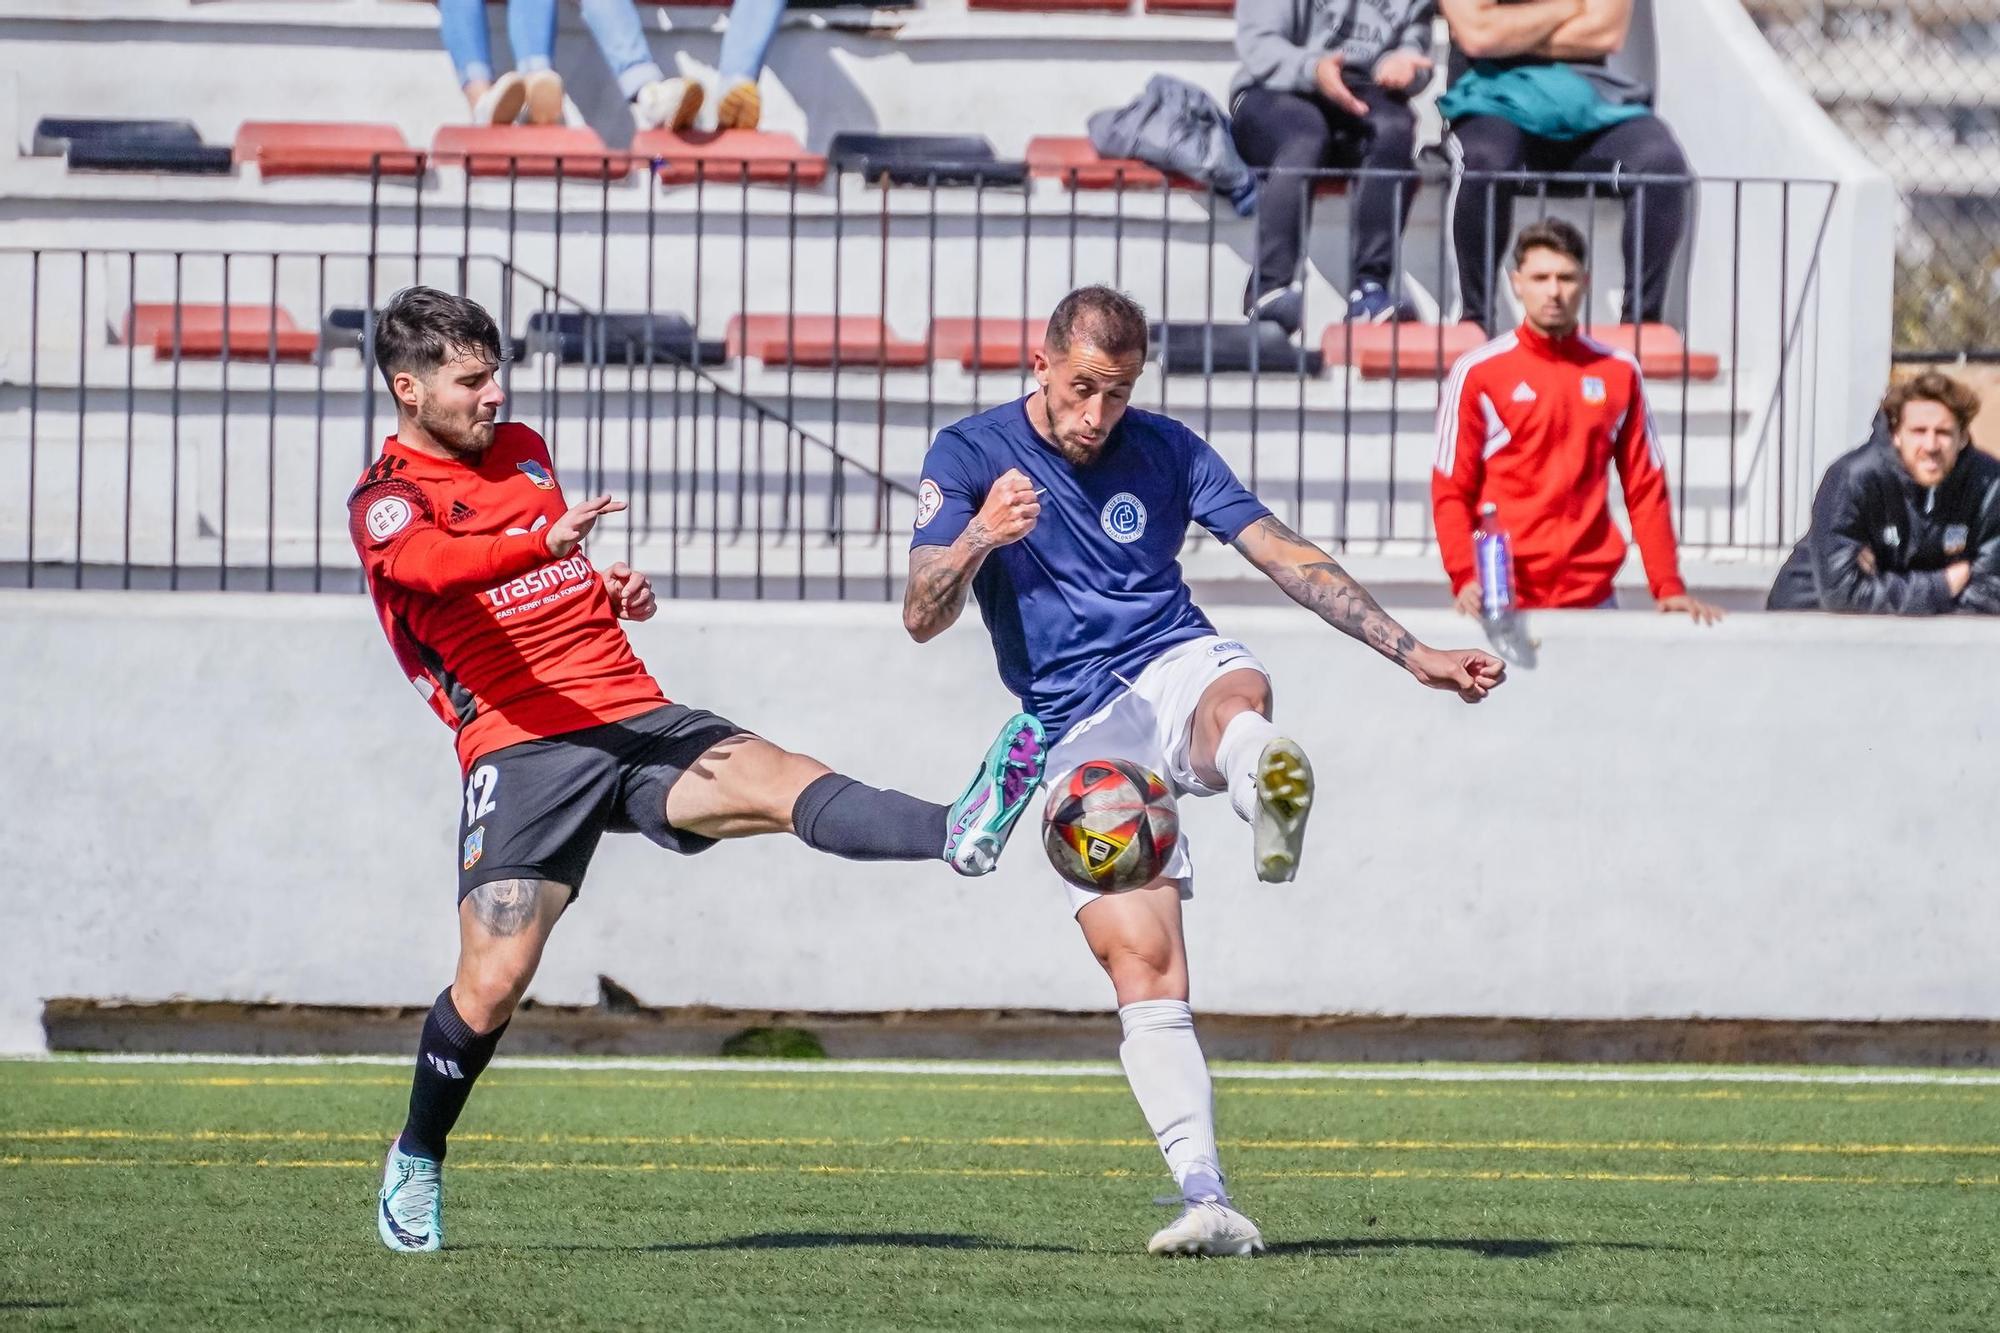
{"x": 536, "y": 810}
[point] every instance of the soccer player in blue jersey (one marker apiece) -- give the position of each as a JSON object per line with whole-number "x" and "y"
{"x": 1063, "y": 513}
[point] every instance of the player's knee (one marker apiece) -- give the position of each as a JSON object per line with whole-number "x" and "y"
{"x": 485, "y": 995}
{"x": 1143, "y": 969}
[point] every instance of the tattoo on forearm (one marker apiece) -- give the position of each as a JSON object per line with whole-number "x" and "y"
{"x": 506, "y": 906}
{"x": 1316, "y": 581}
{"x": 938, "y": 584}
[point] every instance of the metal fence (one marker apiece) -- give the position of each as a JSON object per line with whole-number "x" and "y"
{"x": 1916, "y": 83}
{"x": 219, "y": 457}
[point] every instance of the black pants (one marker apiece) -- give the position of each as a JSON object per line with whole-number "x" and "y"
{"x": 1483, "y": 219}
{"x": 1296, "y": 132}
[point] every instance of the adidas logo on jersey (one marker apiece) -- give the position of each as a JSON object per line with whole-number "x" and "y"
{"x": 1523, "y": 393}
{"x": 460, "y": 512}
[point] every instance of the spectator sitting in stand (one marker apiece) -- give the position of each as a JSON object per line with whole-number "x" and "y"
{"x": 1909, "y": 523}
{"x": 1328, "y": 83}
{"x": 1530, "y": 88}
{"x": 535, "y": 90}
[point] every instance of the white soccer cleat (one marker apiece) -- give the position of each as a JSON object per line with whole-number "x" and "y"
{"x": 1213, "y": 1229}
{"x": 409, "y": 1213}
{"x": 1284, "y": 799}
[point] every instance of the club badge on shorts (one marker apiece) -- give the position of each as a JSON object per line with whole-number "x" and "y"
{"x": 1124, "y": 518}
{"x": 475, "y": 847}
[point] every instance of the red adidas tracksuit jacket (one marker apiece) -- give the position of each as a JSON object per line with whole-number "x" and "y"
{"x": 1532, "y": 425}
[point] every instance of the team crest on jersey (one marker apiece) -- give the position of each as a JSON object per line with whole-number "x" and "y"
{"x": 538, "y": 474}
{"x": 1124, "y": 518}
{"x": 1593, "y": 389}
{"x": 387, "y": 517}
{"x": 929, "y": 500}
{"x": 1955, "y": 537}
{"x": 475, "y": 847}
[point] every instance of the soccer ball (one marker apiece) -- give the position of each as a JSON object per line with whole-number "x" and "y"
{"x": 1111, "y": 825}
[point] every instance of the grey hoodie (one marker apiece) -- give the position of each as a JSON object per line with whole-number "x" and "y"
{"x": 1282, "y": 41}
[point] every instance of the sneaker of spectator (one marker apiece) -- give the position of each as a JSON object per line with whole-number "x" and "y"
{"x": 667, "y": 104}
{"x": 741, "y": 107}
{"x": 1282, "y": 306}
{"x": 545, "y": 97}
{"x": 1371, "y": 303}
{"x": 498, "y": 102}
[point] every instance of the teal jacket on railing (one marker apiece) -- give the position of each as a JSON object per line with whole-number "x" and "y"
{"x": 1551, "y": 101}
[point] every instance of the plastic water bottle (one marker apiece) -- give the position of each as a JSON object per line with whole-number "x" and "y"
{"x": 1494, "y": 553}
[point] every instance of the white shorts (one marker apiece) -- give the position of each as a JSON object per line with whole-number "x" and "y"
{"x": 1152, "y": 724}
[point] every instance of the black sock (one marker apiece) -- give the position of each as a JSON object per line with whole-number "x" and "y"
{"x": 450, "y": 1056}
{"x": 862, "y": 823}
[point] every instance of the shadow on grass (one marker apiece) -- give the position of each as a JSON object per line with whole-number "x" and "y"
{"x": 828, "y": 1240}
{"x": 1496, "y": 1248}
{"x": 33, "y": 1305}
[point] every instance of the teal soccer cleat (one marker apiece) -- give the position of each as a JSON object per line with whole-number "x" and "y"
{"x": 982, "y": 818}
{"x": 410, "y": 1210}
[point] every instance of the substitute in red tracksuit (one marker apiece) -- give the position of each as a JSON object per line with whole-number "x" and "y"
{"x": 1532, "y": 423}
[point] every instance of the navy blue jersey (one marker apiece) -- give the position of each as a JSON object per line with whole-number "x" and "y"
{"x": 1095, "y": 592}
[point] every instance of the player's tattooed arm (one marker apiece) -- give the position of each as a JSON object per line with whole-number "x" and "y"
{"x": 506, "y": 906}
{"x": 941, "y": 575}
{"x": 1315, "y": 580}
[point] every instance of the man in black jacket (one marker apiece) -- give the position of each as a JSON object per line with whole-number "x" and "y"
{"x": 1909, "y": 523}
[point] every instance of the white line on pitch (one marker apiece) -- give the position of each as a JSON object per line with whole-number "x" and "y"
{"x": 1355, "y": 1073}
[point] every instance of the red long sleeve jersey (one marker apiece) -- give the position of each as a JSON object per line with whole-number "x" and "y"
{"x": 504, "y": 641}
{"x": 1532, "y": 425}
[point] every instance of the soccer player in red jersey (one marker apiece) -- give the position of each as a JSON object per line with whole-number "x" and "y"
{"x": 477, "y": 567}
{"x": 1532, "y": 423}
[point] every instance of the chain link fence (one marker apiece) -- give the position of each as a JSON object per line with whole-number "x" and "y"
{"x": 1916, "y": 83}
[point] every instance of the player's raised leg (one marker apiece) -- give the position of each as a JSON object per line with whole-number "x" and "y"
{"x": 1137, "y": 939}
{"x": 745, "y": 786}
{"x": 1235, "y": 744}
{"x": 502, "y": 928}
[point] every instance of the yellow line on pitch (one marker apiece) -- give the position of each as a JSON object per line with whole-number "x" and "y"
{"x": 1227, "y": 1091}
{"x": 968, "y": 1172}
{"x": 1265, "y": 1145}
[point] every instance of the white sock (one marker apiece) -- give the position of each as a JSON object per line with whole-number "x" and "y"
{"x": 1169, "y": 1076}
{"x": 1243, "y": 740}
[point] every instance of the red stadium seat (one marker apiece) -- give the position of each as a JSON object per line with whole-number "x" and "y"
{"x": 253, "y": 332}
{"x": 528, "y": 150}
{"x": 1400, "y": 351}
{"x": 307, "y": 148}
{"x": 809, "y": 340}
{"x": 1052, "y": 6}
{"x": 1003, "y": 344}
{"x": 729, "y": 157}
{"x": 1078, "y": 165}
{"x": 1662, "y": 353}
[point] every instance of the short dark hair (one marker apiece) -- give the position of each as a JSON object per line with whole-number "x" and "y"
{"x": 1932, "y": 386}
{"x": 422, "y": 328}
{"x": 1550, "y": 234}
{"x": 1108, "y": 320}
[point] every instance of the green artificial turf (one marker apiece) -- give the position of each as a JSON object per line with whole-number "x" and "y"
{"x": 242, "y": 1196}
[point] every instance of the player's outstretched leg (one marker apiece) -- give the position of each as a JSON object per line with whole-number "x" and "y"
{"x": 502, "y": 928}
{"x": 1137, "y": 938}
{"x": 1270, "y": 780}
{"x": 744, "y": 786}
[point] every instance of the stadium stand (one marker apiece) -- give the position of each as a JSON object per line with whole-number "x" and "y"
{"x": 987, "y": 344}
{"x": 923, "y": 159}
{"x": 621, "y": 339}
{"x": 821, "y": 340}
{"x": 574, "y": 152}
{"x": 168, "y": 146}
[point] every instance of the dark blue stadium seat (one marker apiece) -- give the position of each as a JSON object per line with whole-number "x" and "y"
{"x": 131, "y": 145}
{"x": 577, "y": 337}
{"x": 1229, "y": 349}
{"x": 919, "y": 159}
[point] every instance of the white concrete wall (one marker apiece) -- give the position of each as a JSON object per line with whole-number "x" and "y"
{"x": 236, "y": 798}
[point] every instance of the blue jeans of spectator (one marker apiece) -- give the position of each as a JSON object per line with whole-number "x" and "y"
{"x": 531, "y": 31}
{"x": 752, "y": 25}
